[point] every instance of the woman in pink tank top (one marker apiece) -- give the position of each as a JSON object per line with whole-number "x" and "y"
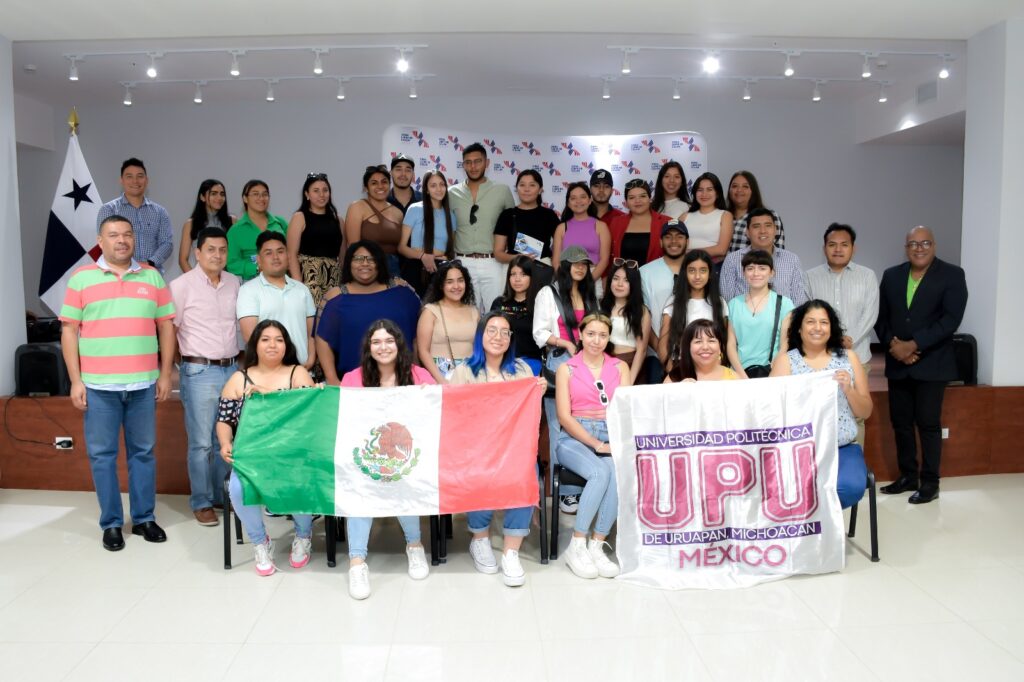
{"x": 584, "y": 387}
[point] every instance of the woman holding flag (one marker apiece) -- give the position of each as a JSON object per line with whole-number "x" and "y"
{"x": 494, "y": 359}
{"x": 269, "y": 364}
{"x": 386, "y": 362}
{"x": 584, "y": 387}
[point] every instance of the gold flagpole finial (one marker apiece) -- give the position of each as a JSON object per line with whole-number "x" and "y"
{"x": 73, "y": 121}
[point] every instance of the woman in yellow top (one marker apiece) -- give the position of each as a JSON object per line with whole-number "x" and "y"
{"x": 701, "y": 359}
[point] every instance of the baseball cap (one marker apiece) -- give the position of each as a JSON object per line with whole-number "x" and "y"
{"x": 676, "y": 225}
{"x": 575, "y": 254}
{"x": 399, "y": 158}
{"x": 599, "y": 176}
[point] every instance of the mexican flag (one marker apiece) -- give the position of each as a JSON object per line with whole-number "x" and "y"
{"x": 414, "y": 450}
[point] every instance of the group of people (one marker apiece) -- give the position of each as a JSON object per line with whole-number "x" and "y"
{"x": 464, "y": 284}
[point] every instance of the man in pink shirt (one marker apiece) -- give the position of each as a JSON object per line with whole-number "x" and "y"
{"x": 207, "y": 336}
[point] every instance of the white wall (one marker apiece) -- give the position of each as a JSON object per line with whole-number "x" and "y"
{"x": 12, "y": 332}
{"x": 805, "y": 156}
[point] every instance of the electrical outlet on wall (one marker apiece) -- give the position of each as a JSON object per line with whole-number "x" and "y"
{"x": 64, "y": 443}
{"x": 945, "y": 433}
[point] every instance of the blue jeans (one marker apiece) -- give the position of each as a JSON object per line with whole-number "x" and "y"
{"x": 600, "y": 496}
{"x": 359, "y": 533}
{"x": 554, "y": 429}
{"x": 105, "y": 414}
{"x": 251, "y": 516}
{"x": 853, "y": 475}
{"x": 517, "y": 521}
{"x": 200, "y": 390}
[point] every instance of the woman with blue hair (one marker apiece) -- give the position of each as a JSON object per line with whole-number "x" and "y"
{"x": 494, "y": 359}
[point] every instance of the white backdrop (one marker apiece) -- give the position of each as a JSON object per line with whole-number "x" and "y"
{"x": 561, "y": 160}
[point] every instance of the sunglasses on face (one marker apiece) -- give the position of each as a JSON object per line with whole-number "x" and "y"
{"x": 628, "y": 262}
{"x": 601, "y": 394}
{"x": 472, "y": 214}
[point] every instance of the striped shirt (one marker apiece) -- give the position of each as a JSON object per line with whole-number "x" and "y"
{"x": 739, "y": 232}
{"x": 154, "y": 237}
{"x": 854, "y": 295}
{"x": 788, "y": 277}
{"x": 117, "y": 314}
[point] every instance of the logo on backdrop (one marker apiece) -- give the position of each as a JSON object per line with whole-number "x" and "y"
{"x": 688, "y": 142}
{"x": 454, "y": 140}
{"x": 388, "y": 454}
{"x": 511, "y": 166}
{"x": 492, "y": 145}
{"x": 435, "y": 161}
{"x": 549, "y": 166}
{"x": 526, "y": 146}
{"x": 705, "y": 469}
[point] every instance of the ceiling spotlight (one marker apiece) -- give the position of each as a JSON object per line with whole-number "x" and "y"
{"x": 73, "y": 72}
{"x": 625, "y": 62}
{"x": 606, "y": 92}
{"x": 882, "y": 97}
{"x": 318, "y": 65}
{"x": 816, "y": 95}
{"x": 865, "y": 71}
{"x": 943, "y": 72}
{"x": 198, "y": 97}
{"x": 270, "y": 91}
{"x": 402, "y": 64}
{"x": 711, "y": 64}
{"x": 412, "y": 90}
{"x": 788, "y": 71}
{"x": 341, "y": 91}
{"x": 676, "y": 94}
{"x": 127, "y": 96}
{"x": 235, "y": 71}
{"x": 151, "y": 71}
{"x": 746, "y": 93}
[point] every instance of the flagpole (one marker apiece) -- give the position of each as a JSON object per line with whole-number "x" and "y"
{"x": 73, "y": 121}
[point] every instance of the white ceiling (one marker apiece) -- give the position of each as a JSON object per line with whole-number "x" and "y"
{"x": 524, "y": 47}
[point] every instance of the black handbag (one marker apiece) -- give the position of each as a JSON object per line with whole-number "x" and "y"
{"x": 761, "y": 371}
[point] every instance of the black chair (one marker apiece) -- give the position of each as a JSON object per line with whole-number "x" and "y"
{"x": 334, "y": 527}
{"x": 872, "y": 513}
{"x": 560, "y": 475}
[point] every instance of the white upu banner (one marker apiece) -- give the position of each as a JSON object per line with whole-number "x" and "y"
{"x": 727, "y": 483}
{"x": 559, "y": 160}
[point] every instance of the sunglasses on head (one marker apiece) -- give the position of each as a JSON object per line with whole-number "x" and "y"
{"x": 634, "y": 184}
{"x": 627, "y": 262}
{"x": 316, "y": 176}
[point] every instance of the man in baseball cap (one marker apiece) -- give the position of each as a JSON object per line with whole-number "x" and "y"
{"x": 403, "y": 173}
{"x": 601, "y": 193}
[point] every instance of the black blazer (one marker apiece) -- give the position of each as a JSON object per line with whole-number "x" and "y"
{"x": 933, "y": 318}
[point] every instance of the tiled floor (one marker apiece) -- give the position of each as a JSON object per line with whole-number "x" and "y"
{"x": 945, "y": 603}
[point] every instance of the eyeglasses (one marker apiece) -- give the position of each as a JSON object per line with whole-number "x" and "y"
{"x": 628, "y": 262}
{"x": 601, "y": 394}
{"x": 498, "y": 331}
{"x": 316, "y": 176}
{"x": 472, "y": 214}
{"x": 922, "y": 245}
{"x": 363, "y": 259}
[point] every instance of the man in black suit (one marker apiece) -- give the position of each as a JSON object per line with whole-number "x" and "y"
{"x": 921, "y": 304}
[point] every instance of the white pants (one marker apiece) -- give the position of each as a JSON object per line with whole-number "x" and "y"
{"x": 488, "y": 279}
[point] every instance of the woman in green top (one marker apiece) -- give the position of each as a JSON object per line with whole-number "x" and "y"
{"x": 255, "y": 219}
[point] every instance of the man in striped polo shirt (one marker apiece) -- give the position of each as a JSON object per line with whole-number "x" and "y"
{"x": 113, "y": 315}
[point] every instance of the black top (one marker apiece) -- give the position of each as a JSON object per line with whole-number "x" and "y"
{"x": 321, "y": 236}
{"x": 539, "y": 223}
{"x": 634, "y": 246}
{"x": 521, "y": 317}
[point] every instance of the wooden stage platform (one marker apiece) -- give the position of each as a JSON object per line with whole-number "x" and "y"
{"x": 983, "y": 422}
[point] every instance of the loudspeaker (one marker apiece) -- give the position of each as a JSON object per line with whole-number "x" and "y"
{"x": 965, "y": 349}
{"x": 40, "y": 370}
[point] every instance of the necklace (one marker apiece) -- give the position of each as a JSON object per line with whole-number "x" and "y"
{"x": 756, "y": 306}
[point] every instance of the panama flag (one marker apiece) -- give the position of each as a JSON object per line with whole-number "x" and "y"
{"x": 415, "y": 450}
{"x": 71, "y": 231}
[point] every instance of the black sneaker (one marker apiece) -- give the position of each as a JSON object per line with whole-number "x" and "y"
{"x": 568, "y": 504}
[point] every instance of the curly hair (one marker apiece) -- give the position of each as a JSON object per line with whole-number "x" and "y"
{"x": 403, "y": 362}
{"x": 435, "y": 292}
{"x": 834, "y": 344}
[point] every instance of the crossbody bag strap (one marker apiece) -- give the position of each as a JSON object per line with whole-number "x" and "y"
{"x": 775, "y": 326}
{"x": 565, "y": 317}
{"x": 447, "y": 338}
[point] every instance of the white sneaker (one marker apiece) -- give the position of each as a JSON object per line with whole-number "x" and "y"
{"x": 359, "y": 581}
{"x": 605, "y": 566}
{"x": 418, "y": 567}
{"x": 483, "y": 555}
{"x": 512, "y": 569}
{"x": 264, "y": 560}
{"x": 578, "y": 559}
{"x": 300, "y": 552}
{"x": 569, "y": 503}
